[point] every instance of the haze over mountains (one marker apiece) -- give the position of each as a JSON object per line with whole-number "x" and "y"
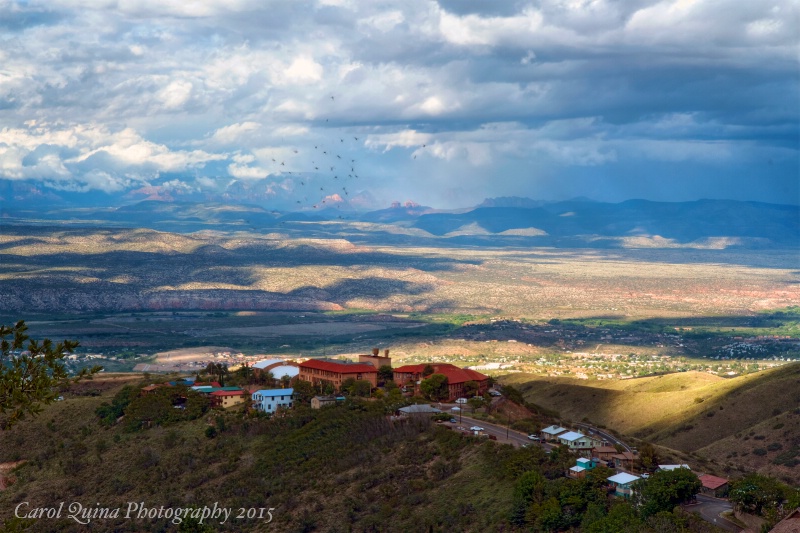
{"x": 579, "y": 222}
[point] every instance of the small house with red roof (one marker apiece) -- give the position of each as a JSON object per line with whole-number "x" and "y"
{"x": 227, "y": 398}
{"x": 336, "y": 371}
{"x": 410, "y": 376}
{"x": 713, "y": 485}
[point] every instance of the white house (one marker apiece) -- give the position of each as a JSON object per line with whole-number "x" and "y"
{"x": 577, "y": 441}
{"x": 269, "y": 401}
{"x": 673, "y": 467}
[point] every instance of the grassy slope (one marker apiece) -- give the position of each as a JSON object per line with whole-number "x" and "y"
{"x": 668, "y": 410}
{"x": 333, "y": 471}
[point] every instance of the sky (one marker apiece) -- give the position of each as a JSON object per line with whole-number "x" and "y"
{"x": 441, "y": 103}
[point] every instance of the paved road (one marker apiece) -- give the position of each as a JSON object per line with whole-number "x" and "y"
{"x": 503, "y": 434}
{"x": 605, "y": 435}
{"x": 709, "y": 510}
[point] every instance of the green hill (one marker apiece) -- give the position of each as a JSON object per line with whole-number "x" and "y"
{"x": 718, "y": 419}
{"x": 340, "y": 469}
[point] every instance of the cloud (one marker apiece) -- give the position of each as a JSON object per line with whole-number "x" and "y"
{"x": 109, "y": 94}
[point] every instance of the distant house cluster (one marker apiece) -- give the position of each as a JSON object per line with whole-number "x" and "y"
{"x": 624, "y": 483}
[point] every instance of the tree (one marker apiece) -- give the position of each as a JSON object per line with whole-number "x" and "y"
{"x": 218, "y": 369}
{"x": 245, "y": 373}
{"x": 427, "y": 370}
{"x": 435, "y": 388}
{"x": 109, "y": 413}
{"x": 30, "y": 378}
{"x": 385, "y": 374}
{"x": 648, "y": 457}
{"x": 361, "y": 388}
{"x": 756, "y": 494}
{"x": 471, "y": 388}
{"x": 303, "y": 391}
{"x": 347, "y": 386}
{"x": 476, "y": 402}
{"x": 665, "y": 489}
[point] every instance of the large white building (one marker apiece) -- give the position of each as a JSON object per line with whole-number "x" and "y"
{"x": 269, "y": 401}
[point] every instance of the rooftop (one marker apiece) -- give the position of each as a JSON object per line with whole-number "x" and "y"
{"x": 227, "y": 393}
{"x": 554, "y": 430}
{"x": 339, "y": 366}
{"x": 267, "y": 362}
{"x": 673, "y": 467}
{"x": 712, "y": 482}
{"x": 275, "y": 392}
{"x": 571, "y": 436}
{"x": 623, "y": 479}
{"x": 419, "y": 409}
{"x": 453, "y": 373}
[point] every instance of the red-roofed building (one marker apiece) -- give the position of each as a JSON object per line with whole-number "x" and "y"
{"x": 227, "y": 398}
{"x": 713, "y": 485}
{"x": 790, "y": 524}
{"x": 206, "y": 384}
{"x": 334, "y": 371}
{"x": 411, "y": 375}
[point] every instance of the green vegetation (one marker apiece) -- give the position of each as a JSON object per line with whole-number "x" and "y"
{"x": 31, "y": 372}
{"x": 435, "y": 387}
{"x": 664, "y": 490}
{"x": 764, "y": 496}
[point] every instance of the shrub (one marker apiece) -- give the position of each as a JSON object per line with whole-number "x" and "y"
{"x": 774, "y": 447}
{"x": 760, "y": 452}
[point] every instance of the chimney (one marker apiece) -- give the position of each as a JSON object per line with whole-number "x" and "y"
{"x": 386, "y": 353}
{"x": 375, "y": 352}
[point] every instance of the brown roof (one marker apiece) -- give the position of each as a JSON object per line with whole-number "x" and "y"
{"x": 626, "y": 456}
{"x": 712, "y": 482}
{"x": 606, "y": 449}
{"x": 453, "y": 373}
{"x": 790, "y": 524}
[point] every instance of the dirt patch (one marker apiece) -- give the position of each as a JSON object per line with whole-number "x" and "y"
{"x": 191, "y": 354}
{"x": 6, "y": 479}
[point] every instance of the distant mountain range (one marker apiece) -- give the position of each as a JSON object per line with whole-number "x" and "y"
{"x": 579, "y": 222}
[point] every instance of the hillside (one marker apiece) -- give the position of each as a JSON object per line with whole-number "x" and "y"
{"x": 345, "y": 467}
{"x": 696, "y": 413}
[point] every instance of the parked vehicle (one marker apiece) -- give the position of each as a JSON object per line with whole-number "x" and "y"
{"x": 534, "y": 437}
{"x": 453, "y": 421}
{"x": 461, "y": 400}
{"x": 476, "y": 428}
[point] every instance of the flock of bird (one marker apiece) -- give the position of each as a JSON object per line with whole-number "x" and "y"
{"x": 330, "y": 167}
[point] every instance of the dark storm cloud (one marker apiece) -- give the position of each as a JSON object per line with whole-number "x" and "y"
{"x": 450, "y": 101}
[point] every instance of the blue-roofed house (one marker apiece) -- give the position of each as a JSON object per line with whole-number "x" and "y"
{"x": 269, "y": 401}
{"x": 582, "y": 466}
{"x": 577, "y": 442}
{"x": 623, "y": 484}
{"x": 549, "y": 433}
